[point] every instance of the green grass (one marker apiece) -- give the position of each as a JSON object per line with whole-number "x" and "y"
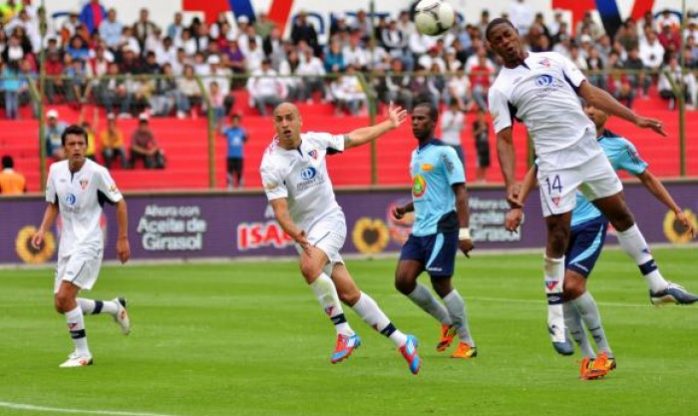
{"x": 250, "y": 339}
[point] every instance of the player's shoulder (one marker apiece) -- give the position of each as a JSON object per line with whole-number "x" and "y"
{"x": 58, "y": 168}
{"x": 315, "y": 136}
{"x": 95, "y": 167}
{"x": 611, "y": 140}
{"x": 272, "y": 158}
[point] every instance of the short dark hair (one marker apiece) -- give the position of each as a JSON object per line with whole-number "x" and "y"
{"x": 7, "y": 162}
{"x": 496, "y": 22}
{"x": 433, "y": 111}
{"x": 74, "y": 129}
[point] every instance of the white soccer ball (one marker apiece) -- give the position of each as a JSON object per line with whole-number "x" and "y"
{"x": 434, "y": 17}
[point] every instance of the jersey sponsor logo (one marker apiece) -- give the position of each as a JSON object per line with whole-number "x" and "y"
{"x": 308, "y": 173}
{"x": 544, "y": 80}
{"x": 426, "y": 167}
{"x": 419, "y": 186}
{"x": 447, "y": 163}
{"x": 71, "y": 199}
{"x": 83, "y": 183}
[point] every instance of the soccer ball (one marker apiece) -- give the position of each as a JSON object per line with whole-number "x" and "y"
{"x": 434, "y": 17}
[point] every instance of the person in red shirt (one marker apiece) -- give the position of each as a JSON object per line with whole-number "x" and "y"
{"x": 480, "y": 80}
{"x": 144, "y": 146}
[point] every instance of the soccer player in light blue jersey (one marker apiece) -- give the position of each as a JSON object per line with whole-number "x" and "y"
{"x": 588, "y": 233}
{"x": 440, "y": 204}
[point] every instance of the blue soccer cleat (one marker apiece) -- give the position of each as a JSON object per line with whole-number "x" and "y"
{"x": 673, "y": 294}
{"x": 346, "y": 344}
{"x": 409, "y": 352}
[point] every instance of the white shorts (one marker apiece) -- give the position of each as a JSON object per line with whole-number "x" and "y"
{"x": 595, "y": 179}
{"x": 80, "y": 269}
{"x": 328, "y": 235}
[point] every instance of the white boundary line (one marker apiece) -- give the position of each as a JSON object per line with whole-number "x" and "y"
{"x": 30, "y": 407}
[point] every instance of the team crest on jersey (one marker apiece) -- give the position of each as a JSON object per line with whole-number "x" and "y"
{"x": 426, "y": 167}
{"x": 83, "y": 183}
{"x": 556, "y": 200}
{"x": 313, "y": 154}
{"x": 545, "y": 62}
{"x": 419, "y": 186}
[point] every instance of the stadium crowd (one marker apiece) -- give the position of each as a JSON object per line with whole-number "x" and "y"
{"x": 93, "y": 50}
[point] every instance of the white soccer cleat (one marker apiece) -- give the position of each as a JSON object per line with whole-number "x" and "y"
{"x": 121, "y": 316}
{"x": 76, "y": 359}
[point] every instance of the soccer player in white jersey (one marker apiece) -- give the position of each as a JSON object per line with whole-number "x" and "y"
{"x": 76, "y": 189}
{"x": 543, "y": 90}
{"x": 296, "y": 182}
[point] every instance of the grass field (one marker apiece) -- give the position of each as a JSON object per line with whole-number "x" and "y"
{"x": 250, "y": 339}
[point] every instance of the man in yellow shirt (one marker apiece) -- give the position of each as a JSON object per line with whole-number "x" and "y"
{"x": 11, "y": 182}
{"x": 113, "y": 143}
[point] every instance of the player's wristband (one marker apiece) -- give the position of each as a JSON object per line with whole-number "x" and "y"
{"x": 464, "y": 234}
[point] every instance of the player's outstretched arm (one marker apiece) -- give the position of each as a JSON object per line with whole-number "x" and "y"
{"x": 123, "y": 249}
{"x": 657, "y": 188}
{"x": 283, "y": 217}
{"x": 363, "y": 135}
{"x": 603, "y": 100}
{"x": 465, "y": 242}
{"x": 506, "y": 155}
{"x": 50, "y": 215}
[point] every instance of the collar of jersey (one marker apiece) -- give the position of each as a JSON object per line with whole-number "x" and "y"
{"x": 434, "y": 140}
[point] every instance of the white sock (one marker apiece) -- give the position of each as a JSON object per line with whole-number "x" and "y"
{"x": 94, "y": 307}
{"x": 423, "y": 298}
{"x": 456, "y": 310}
{"x": 573, "y": 320}
{"x": 635, "y": 246}
{"x": 76, "y": 326}
{"x": 326, "y": 293}
{"x": 589, "y": 311}
{"x": 371, "y": 313}
{"x": 554, "y": 276}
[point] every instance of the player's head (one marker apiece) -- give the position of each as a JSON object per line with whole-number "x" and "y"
{"x": 287, "y": 122}
{"x": 7, "y": 162}
{"x": 503, "y": 38}
{"x": 599, "y": 117}
{"x": 424, "y": 118}
{"x": 74, "y": 140}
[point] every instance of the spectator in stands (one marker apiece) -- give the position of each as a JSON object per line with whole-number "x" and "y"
{"x": 265, "y": 88}
{"x": 273, "y": 47}
{"x": 651, "y": 51}
{"x": 14, "y": 50}
{"x": 481, "y": 134}
{"x": 397, "y": 84}
{"x": 667, "y": 18}
{"x": 452, "y": 124}
{"x": 77, "y": 49}
{"x": 142, "y": 28}
{"x": 338, "y": 24}
{"x": 354, "y": 53}
{"x": 165, "y": 92}
{"x": 190, "y": 93}
{"x": 174, "y": 30}
{"x": 128, "y": 41}
{"x": 11, "y": 84}
{"x": 637, "y": 78}
{"x": 92, "y": 15}
{"x": 347, "y": 92}
{"x": 313, "y": 71}
{"x": 112, "y": 140}
{"x": 10, "y": 8}
{"x": 596, "y": 67}
{"x": 236, "y": 137}
{"x": 144, "y": 147}
{"x": 669, "y": 37}
{"x": 480, "y": 79}
{"x": 302, "y": 30}
{"x": 113, "y": 92}
{"x": 111, "y": 29}
{"x": 334, "y": 58}
{"x": 11, "y": 182}
{"x": 672, "y": 74}
{"x": 54, "y": 71}
{"x": 215, "y": 97}
{"x": 75, "y": 74}
{"x": 54, "y": 131}
{"x": 619, "y": 85}
{"x": 394, "y": 40}
{"x": 254, "y": 55}
{"x": 91, "y": 142}
{"x": 288, "y": 70}
{"x": 521, "y": 16}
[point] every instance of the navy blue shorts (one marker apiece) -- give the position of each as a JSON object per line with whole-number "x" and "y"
{"x": 437, "y": 252}
{"x": 586, "y": 243}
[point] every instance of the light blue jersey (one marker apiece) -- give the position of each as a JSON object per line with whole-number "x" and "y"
{"x": 623, "y": 156}
{"x": 435, "y": 167}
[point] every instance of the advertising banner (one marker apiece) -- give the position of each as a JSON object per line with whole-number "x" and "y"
{"x": 189, "y": 226}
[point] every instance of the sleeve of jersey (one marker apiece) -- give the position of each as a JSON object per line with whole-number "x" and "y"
{"x": 51, "y": 189}
{"x": 274, "y": 186}
{"x": 572, "y": 73}
{"x": 333, "y": 143}
{"x": 499, "y": 109}
{"x": 629, "y": 160}
{"x": 107, "y": 187}
{"x": 453, "y": 167}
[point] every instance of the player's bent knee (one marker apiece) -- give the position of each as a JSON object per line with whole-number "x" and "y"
{"x": 404, "y": 285}
{"x": 349, "y": 297}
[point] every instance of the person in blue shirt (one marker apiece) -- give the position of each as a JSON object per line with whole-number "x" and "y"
{"x": 235, "y": 137}
{"x": 588, "y": 233}
{"x": 441, "y": 217}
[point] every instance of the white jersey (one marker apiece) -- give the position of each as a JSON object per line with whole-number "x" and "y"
{"x": 541, "y": 92}
{"x": 80, "y": 197}
{"x": 300, "y": 175}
